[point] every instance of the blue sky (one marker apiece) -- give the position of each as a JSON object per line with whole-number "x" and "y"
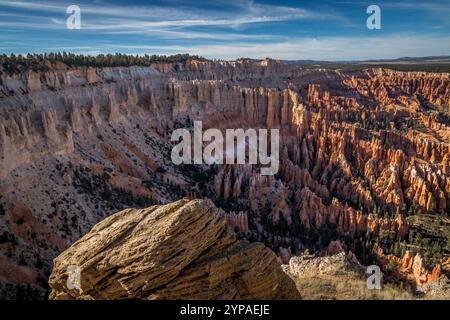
{"x": 227, "y": 29}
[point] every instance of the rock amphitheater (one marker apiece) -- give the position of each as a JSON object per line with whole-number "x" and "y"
{"x": 364, "y": 161}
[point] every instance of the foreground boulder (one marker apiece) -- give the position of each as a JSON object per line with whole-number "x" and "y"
{"x": 182, "y": 250}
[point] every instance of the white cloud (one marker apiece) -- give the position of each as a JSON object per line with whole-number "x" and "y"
{"x": 331, "y": 48}
{"x": 172, "y": 34}
{"x": 169, "y": 22}
{"x": 215, "y": 30}
{"x": 244, "y": 12}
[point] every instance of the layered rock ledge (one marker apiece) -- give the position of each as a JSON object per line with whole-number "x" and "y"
{"x": 183, "y": 250}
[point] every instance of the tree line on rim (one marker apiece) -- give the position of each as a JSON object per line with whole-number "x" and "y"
{"x": 14, "y": 62}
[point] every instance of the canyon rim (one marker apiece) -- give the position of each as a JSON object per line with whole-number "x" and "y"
{"x": 208, "y": 175}
{"x": 364, "y": 160}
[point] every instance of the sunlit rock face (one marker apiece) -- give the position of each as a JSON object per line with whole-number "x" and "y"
{"x": 155, "y": 253}
{"x": 360, "y": 151}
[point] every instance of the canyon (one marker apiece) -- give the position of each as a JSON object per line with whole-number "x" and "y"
{"x": 363, "y": 155}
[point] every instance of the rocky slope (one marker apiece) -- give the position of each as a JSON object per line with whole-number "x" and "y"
{"x": 335, "y": 274}
{"x": 336, "y": 277}
{"x": 183, "y": 250}
{"x": 360, "y": 151}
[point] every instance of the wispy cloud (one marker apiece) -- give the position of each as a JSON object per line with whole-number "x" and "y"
{"x": 229, "y": 29}
{"x": 330, "y": 48}
{"x": 173, "y": 34}
{"x": 439, "y": 9}
{"x": 245, "y": 12}
{"x": 163, "y": 22}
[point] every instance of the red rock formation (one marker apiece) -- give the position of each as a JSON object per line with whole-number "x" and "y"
{"x": 386, "y": 86}
{"x": 238, "y": 221}
{"x": 410, "y": 267}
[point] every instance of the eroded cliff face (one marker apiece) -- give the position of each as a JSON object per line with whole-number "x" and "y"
{"x": 359, "y": 152}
